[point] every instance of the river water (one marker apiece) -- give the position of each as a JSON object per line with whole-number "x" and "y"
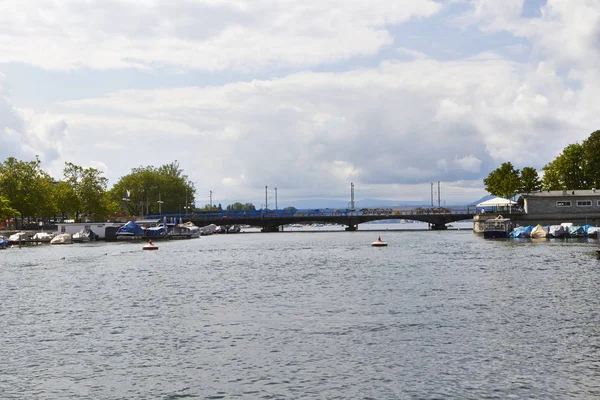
{"x": 298, "y": 315}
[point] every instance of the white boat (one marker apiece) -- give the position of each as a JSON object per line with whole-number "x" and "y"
{"x": 17, "y": 237}
{"x": 85, "y": 235}
{"x": 62, "y": 238}
{"x": 379, "y": 243}
{"x": 194, "y": 230}
{"x": 45, "y": 237}
{"x": 556, "y": 231}
{"x": 208, "y": 230}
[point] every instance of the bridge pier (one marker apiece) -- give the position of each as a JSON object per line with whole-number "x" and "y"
{"x": 270, "y": 229}
{"x": 352, "y": 228}
{"x": 438, "y": 227}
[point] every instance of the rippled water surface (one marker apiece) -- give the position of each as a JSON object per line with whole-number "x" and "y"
{"x": 303, "y": 315}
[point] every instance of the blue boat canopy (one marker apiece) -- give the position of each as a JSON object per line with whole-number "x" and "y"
{"x": 130, "y": 228}
{"x": 156, "y": 231}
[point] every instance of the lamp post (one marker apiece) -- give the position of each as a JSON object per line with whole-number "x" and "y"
{"x": 160, "y": 202}
{"x": 126, "y": 200}
{"x": 275, "y": 198}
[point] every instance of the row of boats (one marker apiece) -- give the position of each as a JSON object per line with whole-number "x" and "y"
{"x": 503, "y": 228}
{"x": 151, "y": 229}
{"x": 140, "y": 230}
{"x": 554, "y": 231}
{"x": 19, "y": 238}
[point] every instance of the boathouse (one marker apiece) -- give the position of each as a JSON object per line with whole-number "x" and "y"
{"x": 569, "y": 202}
{"x": 554, "y": 207}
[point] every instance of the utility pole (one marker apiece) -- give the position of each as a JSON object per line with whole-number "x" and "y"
{"x": 210, "y": 199}
{"x": 159, "y": 204}
{"x": 438, "y": 194}
{"x": 275, "y": 198}
{"x": 351, "y": 196}
{"x": 432, "y": 194}
{"x": 266, "y": 206}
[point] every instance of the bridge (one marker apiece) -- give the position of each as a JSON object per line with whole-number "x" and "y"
{"x": 272, "y": 220}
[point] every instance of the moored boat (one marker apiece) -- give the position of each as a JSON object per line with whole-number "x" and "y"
{"x": 85, "y": 235}
{"x": 539, "y": 232}
{"x": 17, "y": 237}
{"x": 63, "y": 238}
{"x": 498, "y": 227}
{"x": 44, "y": 237}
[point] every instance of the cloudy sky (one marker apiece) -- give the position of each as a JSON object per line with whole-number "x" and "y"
{"x": 303, "y": 95}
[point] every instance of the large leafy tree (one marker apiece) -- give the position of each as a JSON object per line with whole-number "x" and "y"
{"x": 65, "y": 199}
{"x": 551, "y": 179}
{"x": 567, "y": 170}
{"x": 504, "y": 181}
{"x": 26, "y": 187}
{"x": 90, "y": 186}
{"x": 591, "y": 160}
{"x": 6, "y": 211}
{"x": 530, "y": 180}
{"x": 140, "y": 191}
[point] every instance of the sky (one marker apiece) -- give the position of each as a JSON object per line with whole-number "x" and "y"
{"x": 306, "y": 96}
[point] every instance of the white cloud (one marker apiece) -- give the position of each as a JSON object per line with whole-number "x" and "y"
{"x": 401, "y": 123}
{"x": 391, "y": 128}
{"x": 208, "y": 35}
{"x": 25, "y": 134}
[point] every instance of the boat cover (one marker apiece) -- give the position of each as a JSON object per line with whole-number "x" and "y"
{"x": 556, "y": 231}
{"x": 63, "y": 238}
{"x": 575, "y": 230}
{"x": 85, "y": 235}
{"x": 592, "y": 230}
{"x": 43, "y": 236}
{"x": 156, "y": 231}
{"x": 539, "y": 232}
{"x": 521, "y": 232}
{"x": 131, "y": 228}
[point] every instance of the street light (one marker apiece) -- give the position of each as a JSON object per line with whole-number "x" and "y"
{"x": 160, "y": 202}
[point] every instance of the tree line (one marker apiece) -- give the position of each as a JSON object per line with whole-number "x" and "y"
{"x": 576, "y": 167}
{"x": 27, "y": 191}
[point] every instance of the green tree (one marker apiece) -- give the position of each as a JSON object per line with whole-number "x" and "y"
{"x": 567, "y": 171}
{"x": 551, "y": 179}
{"x": 146, "y": 185}
{"x": 591, "y": 157}
{"x": 504, "y": 181}
{"x": 65, "y": 199}
{"x": 90, "y": 187}
{"x": 530, "y": 180}
{"x": 237, "y": 206}
{"x": 6, "y": 211}
{"x": 290, "y": 208}
{"x": 27, "y": 188}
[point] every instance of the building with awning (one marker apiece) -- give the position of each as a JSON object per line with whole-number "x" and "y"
{"x": 495, "y": 204}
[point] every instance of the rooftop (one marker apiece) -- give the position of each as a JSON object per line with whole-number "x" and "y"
{"x": 562, "y": 193}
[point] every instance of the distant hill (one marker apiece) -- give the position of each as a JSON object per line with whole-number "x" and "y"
{"x": 481, "y": 200}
